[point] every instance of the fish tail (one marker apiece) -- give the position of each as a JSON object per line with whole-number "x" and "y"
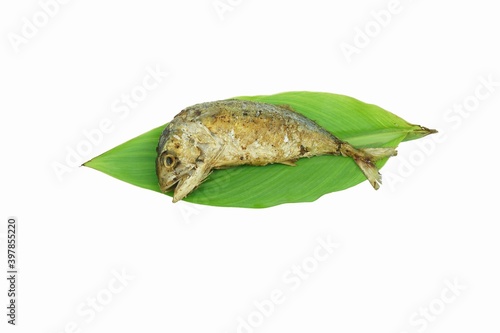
{"x": 366, "y": 158}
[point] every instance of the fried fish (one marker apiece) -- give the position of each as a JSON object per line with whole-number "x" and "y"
{"x": 230, "y": 133}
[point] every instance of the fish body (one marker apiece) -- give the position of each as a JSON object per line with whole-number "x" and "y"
{"x": 229, "y": 133}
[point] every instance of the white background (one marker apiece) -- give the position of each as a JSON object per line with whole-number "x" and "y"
{"x": 199, "y": 269}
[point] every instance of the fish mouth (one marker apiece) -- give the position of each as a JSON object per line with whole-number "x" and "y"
{"x": 169, "y": 186}
{"x": 168, "y": 181}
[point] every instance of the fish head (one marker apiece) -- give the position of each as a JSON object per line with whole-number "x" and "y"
{"x": 180, "y": 164}
{"x": 176, "y": 159}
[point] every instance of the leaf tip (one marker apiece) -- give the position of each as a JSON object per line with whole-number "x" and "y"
{"x": 419, "y": 132}
{"x": 427, "y": 131}
{"x": 89, "y": 164}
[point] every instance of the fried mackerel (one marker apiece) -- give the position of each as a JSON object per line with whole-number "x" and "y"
{"x": 229, "y": 133}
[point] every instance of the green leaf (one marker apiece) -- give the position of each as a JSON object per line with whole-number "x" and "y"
{"x": 360, "y": 124}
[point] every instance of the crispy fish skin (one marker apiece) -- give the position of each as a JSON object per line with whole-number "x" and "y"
{"x": 229, "y": 133}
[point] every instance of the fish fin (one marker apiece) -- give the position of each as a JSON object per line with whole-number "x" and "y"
{"x": 222, "y": 167}
{"x": 290, "y": 162}
{"x": 366, "y": 158}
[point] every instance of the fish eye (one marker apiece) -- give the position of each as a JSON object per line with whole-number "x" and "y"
{"x": 169, "y": 160}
